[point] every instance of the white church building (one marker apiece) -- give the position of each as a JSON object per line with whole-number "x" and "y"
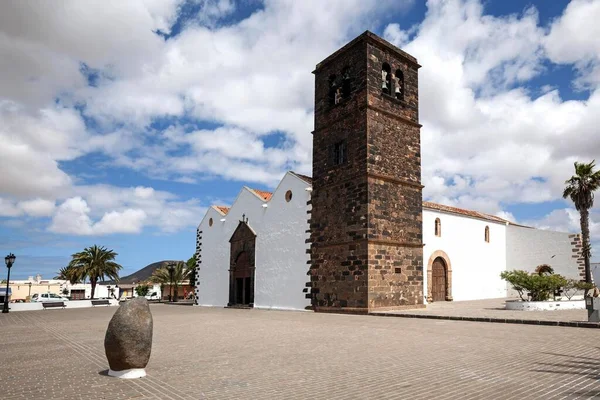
{"x": 357, "y": 236}
{"x": 473, "y": 247}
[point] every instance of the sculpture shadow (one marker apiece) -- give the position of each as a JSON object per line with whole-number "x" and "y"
{"x": 103, "y": 373}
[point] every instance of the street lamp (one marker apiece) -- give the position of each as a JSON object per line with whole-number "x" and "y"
{"x": 9, "y": 260}
{"x": 171, "y": 269}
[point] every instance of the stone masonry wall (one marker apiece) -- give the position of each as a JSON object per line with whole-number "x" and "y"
{"x": 198, "y": 262}
{"x": 366, "y": 222}
{"x": 395, "y": 191}
{"x": 577, "y": 253}
{"x": 338, "y": 218}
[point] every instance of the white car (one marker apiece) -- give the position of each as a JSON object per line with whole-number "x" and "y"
{"x": 152, "y": 296}
{"x": 47, "y": 297}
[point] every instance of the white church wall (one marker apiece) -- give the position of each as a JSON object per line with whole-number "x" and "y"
{"x": 526, "y": 248}
{"x": 476, "y": 264}
{"x": 595, "y": 270}
{"x": 281, "y": 258}
{"x": 280, "y": 253}
{"x": 212, "y": 283}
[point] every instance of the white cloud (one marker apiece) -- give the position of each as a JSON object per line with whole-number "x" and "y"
{"x": 105, "y": 209}
{"x": 37, "y": 207}
{"x": 72, "y": 217}
{"x": 128, "y": 221}
{"x": 393, "y": 34}
{"x": 9, "y": 209}
{"x": 573, "y": 39}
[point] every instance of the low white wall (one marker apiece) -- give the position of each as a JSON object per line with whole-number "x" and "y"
{"x": 528, "y": 248}
{"x": 517, "y": 305}
{"x": 68, "y": 304}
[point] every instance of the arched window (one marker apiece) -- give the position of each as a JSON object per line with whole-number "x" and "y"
{"x": 332, "y": 89}
{"x": 346, "y": 82}
{"x": 438, "y": 227}
{"x": 386, "y": 78}
{"x": 399, "y": 85}
{"x": 487, "y": 234}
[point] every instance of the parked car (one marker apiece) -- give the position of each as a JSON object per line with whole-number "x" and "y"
{"x": 152, "y": 296}
{"x": 47, "y": 297}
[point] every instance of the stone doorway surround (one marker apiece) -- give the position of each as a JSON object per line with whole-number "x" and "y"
{"x": 441, "y": 254}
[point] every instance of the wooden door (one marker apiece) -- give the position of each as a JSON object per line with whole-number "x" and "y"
{"x": 438, "y": 284}
{"x": 243, "y": 280}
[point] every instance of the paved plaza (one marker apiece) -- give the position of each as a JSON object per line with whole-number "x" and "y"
{"x": 215, "y": 353}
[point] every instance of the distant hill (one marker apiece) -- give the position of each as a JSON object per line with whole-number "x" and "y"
{"x": 142, "y": 274}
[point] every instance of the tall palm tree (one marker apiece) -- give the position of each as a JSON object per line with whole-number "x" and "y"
{"x": 94, "y": 263}
{"x": 181, "y": 272}
{"x": 580, "y": 188}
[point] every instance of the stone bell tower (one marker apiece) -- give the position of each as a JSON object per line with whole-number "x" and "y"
{"x": 366, "y": 218}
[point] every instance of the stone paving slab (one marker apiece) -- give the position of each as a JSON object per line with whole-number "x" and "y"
{"x": 215, "y": 353}
{"x": 492, "y": 310}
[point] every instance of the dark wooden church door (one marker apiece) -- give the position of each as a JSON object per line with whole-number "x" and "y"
{"x": 438, "y": 284}
{"x": 243, "y": 281}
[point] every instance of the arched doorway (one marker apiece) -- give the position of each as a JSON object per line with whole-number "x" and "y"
{"x": 439, "y": 281}
{"x": 243, "y": 285}
{"x": 439, "y": 277}
{"x": 241, "y": 266}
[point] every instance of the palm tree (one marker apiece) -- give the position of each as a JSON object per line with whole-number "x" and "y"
{"x": 67, "y": 274}
{"x": 580, "y": 188}
{"x": 181, "y": 272}
{"x": 94, "y": 263}
{"x": 191, "y": 264}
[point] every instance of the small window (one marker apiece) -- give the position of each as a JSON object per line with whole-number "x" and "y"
{"x": 438, "y": 227}
{"x": 399, "y": 85}
{"x": 487, "y": 234}
{"x": 340, "y": 153}
{"x": 386, "y": 78}
{"x": 210, "y": 222}
{"x": 346, "y": 82}
{"x": 398, "y": 270}
{"x": 333, "y": 88}
{"x": 288, "y": 196}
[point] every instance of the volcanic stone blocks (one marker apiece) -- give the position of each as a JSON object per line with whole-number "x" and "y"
{"x": 366, "y": 219}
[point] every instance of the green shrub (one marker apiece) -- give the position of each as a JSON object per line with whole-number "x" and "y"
{"x": 574, "y": 285}
{"x": 142, "y": 290}
{"x": 537, "y": 287}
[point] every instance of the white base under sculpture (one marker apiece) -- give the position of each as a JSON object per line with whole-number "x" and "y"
{"x": 128, "y": 373}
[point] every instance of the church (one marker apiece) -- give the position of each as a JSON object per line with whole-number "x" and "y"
{"x": 357, "y": 236}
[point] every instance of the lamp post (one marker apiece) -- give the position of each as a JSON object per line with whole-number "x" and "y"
{"x": 171, "y": 269}
{"x": 9, "y": 260}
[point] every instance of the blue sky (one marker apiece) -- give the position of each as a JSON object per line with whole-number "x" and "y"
{"x": 124, "y": 137}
